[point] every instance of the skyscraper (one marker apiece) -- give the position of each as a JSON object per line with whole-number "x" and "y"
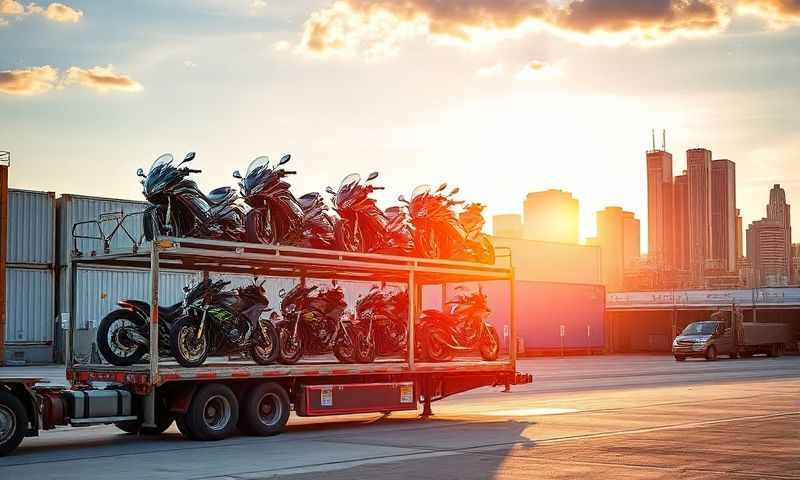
{"x": 681, "y": 222}
{"x": 551, "y": 216}
{"x": 698, "y": 165}
{"x": 723, "y": 214}
{"x": 780, "y": 211}
{"x": 632, "y": 246}
{"x": 766, "y": 250}
{"x": 659, "y": 207}
{"x": 611, "y": 239}
{"x": 739, "y": 241}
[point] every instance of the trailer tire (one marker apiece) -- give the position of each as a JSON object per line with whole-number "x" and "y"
{"x": 733, "y": 355}
{"x": 264, "y": 410}
{"x": 183, "y": 427}
{"x": 213, "y": 413}
{"x": 775, "y": 350}
{"x": 13, "y": 422}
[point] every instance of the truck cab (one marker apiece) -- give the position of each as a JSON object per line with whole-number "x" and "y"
{"x": 706, "y": 339}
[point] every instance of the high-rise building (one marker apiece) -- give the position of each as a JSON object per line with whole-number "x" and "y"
{"x": 739, "y": 241}
{"x": 766, "y": 251}
{"x": 617, "y": 232}
{"x": 507, "y": 226}
{"x": 796, "y": 264}
{"x": 681, "y": 222}
{"x": 551, "y": 216}
{"x": 698, "y": 166}
{"x": 723, "y": 214}
{"x": 780, "y": 211}
{"x": 659, "y": 208}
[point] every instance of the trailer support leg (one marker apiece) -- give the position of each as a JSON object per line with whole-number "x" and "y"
{"x": 150, "y": 410}
{"x": 426, "y": 402}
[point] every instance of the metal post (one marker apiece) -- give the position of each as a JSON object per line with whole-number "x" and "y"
{"x": 150, "y": 399}
{"x": 512, "y": 318}
{"x": 412, "y": 289}
{"x": 72, "y": 279}
{"x": 3, "y": 246}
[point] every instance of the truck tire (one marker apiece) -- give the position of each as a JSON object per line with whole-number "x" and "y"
{"x": 164, "y": 419}
{"x": 733, "y": 355}
{"x": 711, "y": 353}
{"x": 775, "y": 350}
{"x": 264, "y": 410}
{"x": 183, "y": 427}
{"x": 213, "y": 413}
{"x": 13, "y": 422}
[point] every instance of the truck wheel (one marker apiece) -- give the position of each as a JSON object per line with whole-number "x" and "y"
{"x": 775, "y": 350}
{"x": 183, "y": 427}
{"x": 164, "y": 419}
{"x": 13, "y": 422}
{"x": 680, "y": 358}
{"x": 213, "y": 413}
{"x": 733, "y": 355}
{"x": 264, "y": 410}
{"x": 711, "y": 353}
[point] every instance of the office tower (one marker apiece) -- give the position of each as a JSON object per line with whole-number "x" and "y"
{"x": 739, "y": 242}
{"x": 659, "y": 207}
{"x": 779, "y": 211}
{"x": 723, "y": 214}
{"x": 632, "y": 247}
{"x": 698, "y": 166}
{"x": 551, "y": 216}
{"x": 766, "y": 250}
{"x": 681, "y": 222}
{"x": 507, "y": 226}
{"x": 618, "y": 237}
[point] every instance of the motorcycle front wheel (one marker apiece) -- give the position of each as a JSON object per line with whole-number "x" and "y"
{"x": 345, "y": 350}
{"x": 266, "y": 350}
{"x": 435, "y": 349}
{"x": 187, "y": 349}
{"x": 257, "y": 228}
{"x": 291, "y": 349}
{"x": 115, "y": 346}
{"x": 365, "y": 350}
{"x": 490, "y": 344}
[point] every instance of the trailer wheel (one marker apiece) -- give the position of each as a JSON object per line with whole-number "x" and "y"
{"x": 13, "y": 422}
{"x": 264, "y": 410}
{"x": 213, "y": 413}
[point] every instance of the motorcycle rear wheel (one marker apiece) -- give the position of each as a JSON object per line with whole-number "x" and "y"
{"x": 267, "y": 350}
{"x": 436, "y": 350}
{"x": 490, "y": 347}
{"x": 291, "y": 350}
{"x": 111, "y": 342}
{"x": 187, "y": 349}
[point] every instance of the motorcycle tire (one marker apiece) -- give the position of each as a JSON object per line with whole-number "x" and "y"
{"x": 344, "y": 351}
{"x": 487, "y": 251}
{"x": 426, "y": 245}
{"x": 289, "y": 354}
{"x": 185, "y": 347}
{"x": 436, "y": 350}
{"x": 107, "y": 340}
{"x": 490, "y": 344}
{"x": 266, "y": 351}
{"x": 365, "y": 350}
{"x": 257, "y": 228}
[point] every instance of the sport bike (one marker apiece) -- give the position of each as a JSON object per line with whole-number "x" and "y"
{"x": 178, "y": 207}
{"x": 123, "y": 336}
{"x": 228, "y": 322}
{"x": 477, "y": 245}
{"x": 441, "y": 335}
{"x": 362, "y": 226}
{"x": 382, "y": 324}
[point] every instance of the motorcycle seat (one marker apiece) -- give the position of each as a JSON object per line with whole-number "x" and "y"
{"x": 169, "y": 311}
{"x": 220, "y": 195}
{"x": 309, "y": 200}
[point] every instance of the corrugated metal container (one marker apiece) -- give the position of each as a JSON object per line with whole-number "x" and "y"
{"x": 98, "y": 290}
{"x": 30, "y": 314}
{"x": 78, "y": 208}
{"x": 536, "y": 261}
{"x": 541, "y": 309}
{"x": 31, "y": 227}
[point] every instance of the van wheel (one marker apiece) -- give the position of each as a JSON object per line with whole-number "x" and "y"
{"x": 13, "y": 422}
{"x": 264, "y": 410}
{"x": 775, "y": 350}
{"x": 680, "y": 358}
{"x": 733, "y": 355}
{"x": 711, "y": 353}
{"x": 213, "y": 413}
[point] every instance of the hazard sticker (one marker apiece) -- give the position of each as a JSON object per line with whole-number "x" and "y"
{"x": 326, "y": 397}
{"x": 406, "y": 394}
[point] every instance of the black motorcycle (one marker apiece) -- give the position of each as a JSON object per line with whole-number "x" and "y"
{"x": 225, "y": 323}
{"x": 314, "y": 323}
{"x": 441, "y": 335}
{"x": 178, "y": 207}
{"x": 382, "y": 324}
{"x": 318, "y": 225}
{"x": 362, "y": 226}
{"x": 123, "y": 336}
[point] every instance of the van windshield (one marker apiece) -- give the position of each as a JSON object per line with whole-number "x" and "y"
{"x": 700, "y": 328}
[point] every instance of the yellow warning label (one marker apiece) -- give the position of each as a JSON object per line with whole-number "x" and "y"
{"x": 326, "y": 397}
{"x": 406, "y": 394}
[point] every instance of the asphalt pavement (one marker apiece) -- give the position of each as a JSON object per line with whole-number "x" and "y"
{"x": 639, "y": 417}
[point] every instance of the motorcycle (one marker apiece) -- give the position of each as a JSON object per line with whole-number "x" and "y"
{"x": 440, "y": 335}
{"x": 382, "y": 324}
{"x": 228, "y": 322}
{"x": 477, "y": 246}
{"x": 318, "y": 225}
{"x": 123, "y": 336}
{"x": 314, "y": 323}
{"x": 437, "y": 232}
{"x": 362, "y": 226}
{"x": 400, "y": 239}
{"x": 178, "y": 207}
{"x": 276, "y": 216}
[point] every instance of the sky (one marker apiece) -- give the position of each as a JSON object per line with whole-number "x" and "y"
{"x": 498, "y": 97}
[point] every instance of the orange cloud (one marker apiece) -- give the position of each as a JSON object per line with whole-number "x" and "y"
{"x": 11, "y": 8}
{"x": 57, "y": 12}
{"x": 101, "y": 78}
{"x": 779, "y": 13}
{"x": 349, "y": 25}
{"x": 30, "y": 81}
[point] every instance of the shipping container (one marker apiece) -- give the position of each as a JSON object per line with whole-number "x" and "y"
{"x": 31, "y": 228}
{"x": 72, "y": 209}
{"x": 536, "y": 261}
{"x": 30, "y": 314}
{"x": 544, "y": 310}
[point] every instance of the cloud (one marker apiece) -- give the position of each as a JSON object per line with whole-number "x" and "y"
{"x": 536, "y": 70}
{"x": 189, "y": 64}
{"x": 349, "y": 26}
{"x": 30, "y": 81}
{"x": 57, "y": 12}
{"x": 100, "y": 78}
{"x": 779, "y": 13}
{"x": 492, "y": 71}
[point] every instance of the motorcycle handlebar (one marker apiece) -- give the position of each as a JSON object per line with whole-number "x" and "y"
{"x": 379, "y": 188}
{"x": 190, "y": 170}
{"x": 290, "y": 172}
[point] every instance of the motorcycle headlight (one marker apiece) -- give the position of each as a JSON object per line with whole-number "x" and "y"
{"x": 291, "y": 308}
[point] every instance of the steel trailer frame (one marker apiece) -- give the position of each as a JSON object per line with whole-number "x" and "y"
{"x": 218, "y": 256}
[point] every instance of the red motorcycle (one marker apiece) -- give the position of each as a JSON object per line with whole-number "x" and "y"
{"x": 477, "y": 245}
{"x": 382, "y": 324}
{"x": 362, "y": 226}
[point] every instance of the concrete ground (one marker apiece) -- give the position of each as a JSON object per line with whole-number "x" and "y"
{"x": 642, "y": 417}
